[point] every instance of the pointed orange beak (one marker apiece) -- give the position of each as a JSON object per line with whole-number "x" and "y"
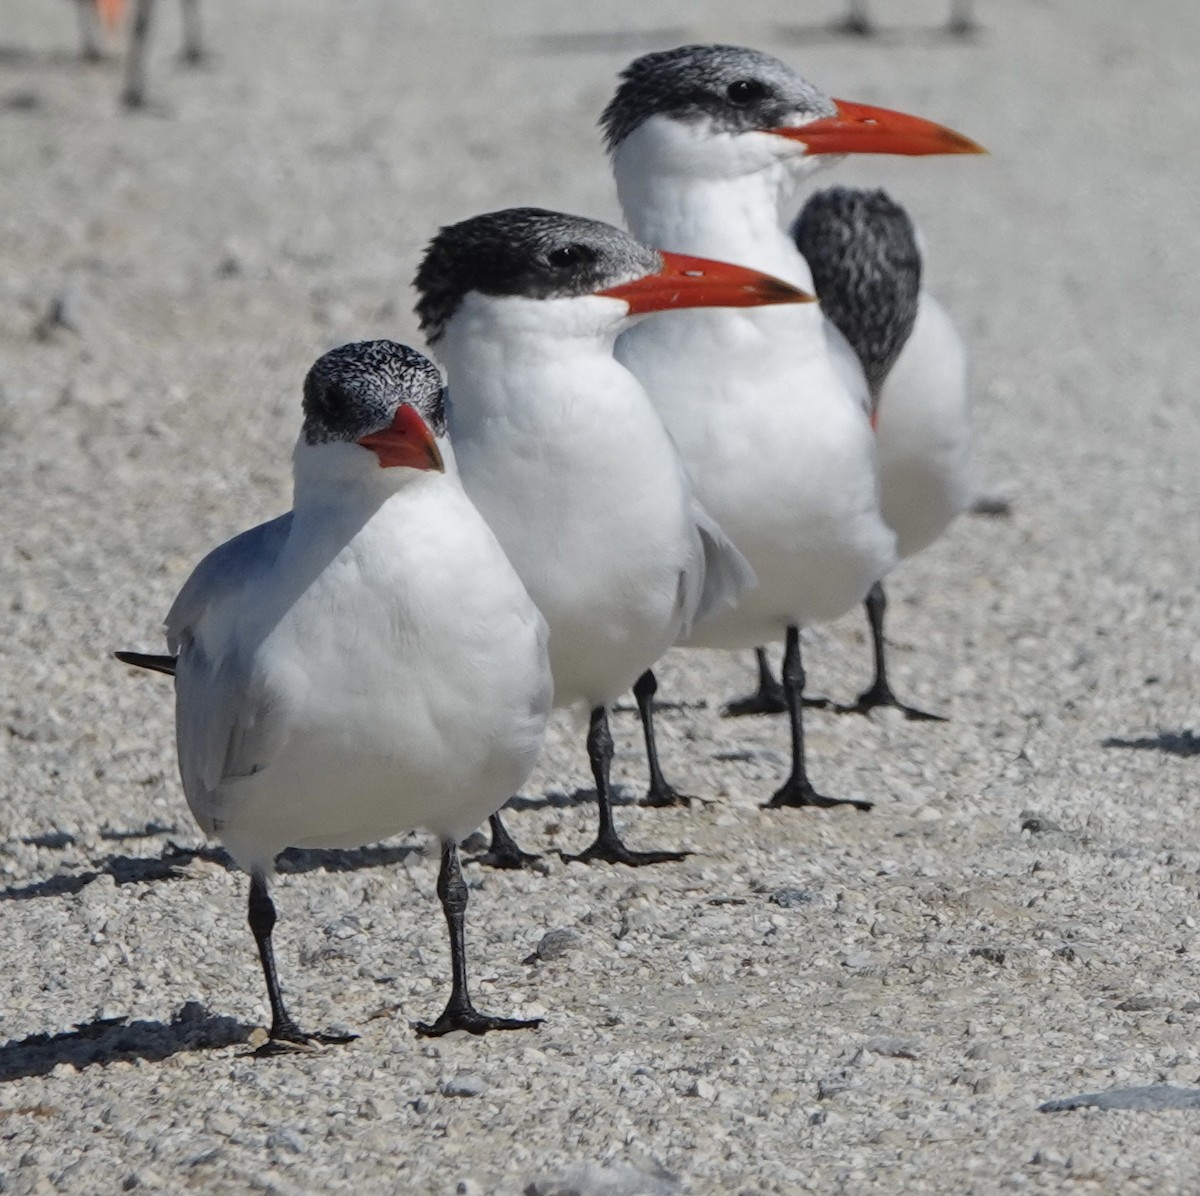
{"x": 407, "y": 440}
{"x": 686, "y": 281}
{"x": 111, "y": 12}
{"x": 865, "y": 129}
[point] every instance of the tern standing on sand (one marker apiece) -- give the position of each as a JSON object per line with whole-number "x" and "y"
{"x": 562, "y": 451}
{"x": 366, "y": 663}
{"x": 769, "y": 408}
{"x": 862, "y": 250}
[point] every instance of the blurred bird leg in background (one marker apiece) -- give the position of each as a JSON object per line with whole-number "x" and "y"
{"x": 133, "y": 94}
{"x": 857, "y": 21}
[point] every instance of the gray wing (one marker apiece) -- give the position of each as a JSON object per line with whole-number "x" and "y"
{"x": 222, "y": 574}
{"x": 227, "y": 725}
{"x": 718, "y": 574}
{"x": 726, "y": 572}
{"x": 228, "y": 720}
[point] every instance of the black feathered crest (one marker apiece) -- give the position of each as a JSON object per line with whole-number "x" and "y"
{"x": 523, "y": 251}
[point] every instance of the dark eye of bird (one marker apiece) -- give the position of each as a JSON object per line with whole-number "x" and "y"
{"x": 570, "y": 255}
{"x": 745, "y": 91}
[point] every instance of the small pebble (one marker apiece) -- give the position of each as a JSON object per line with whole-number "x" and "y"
{"x": 1137, "y": 1004}
{"x": 794, "y": 898}
{"x": 554, "y": 944}
{"x": 1149, "y": 1099}
{"x": 463, "y": 1083}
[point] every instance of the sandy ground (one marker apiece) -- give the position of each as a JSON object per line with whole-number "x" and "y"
{"x": 812, "y": 1002}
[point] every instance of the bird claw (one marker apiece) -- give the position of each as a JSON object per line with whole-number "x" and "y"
{"x": 291, "y": 1040}
{"x": 664, "y": 796}
{"x": 797, "y": 795}
{"x": 915, "y": 715}
{"x": 768, "y": 702}
{"x": 763, "y": 702}
{"x": 878, "y": 697}
{"x": 509, "y": 858}
{"x": 612, "y": 851}
{"x": 473, "y": 1022}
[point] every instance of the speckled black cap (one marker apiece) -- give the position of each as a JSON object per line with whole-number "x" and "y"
{"x": 355, "y": 390}
{"x": 736, "y": 88}
{"x": 528, "y": 252}
{"x": 862, "y": 250}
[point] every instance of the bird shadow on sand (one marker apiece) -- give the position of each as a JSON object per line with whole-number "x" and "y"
{"x": 57, "y": 840}
{"x": 172, "y": 864}
{"x": 107, "y": 1040}
{"x": 23, "y": 58}
{"x": 665, "y": 704}
{"x": 1173, "y": 743}
{"x": 555, "y": 799}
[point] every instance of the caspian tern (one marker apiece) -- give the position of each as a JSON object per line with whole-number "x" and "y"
{"x": 769, "y": 408}
{"x": 565, "y": 456}
{"x": 865, "y": 260}
{"x": 366, "y": 663}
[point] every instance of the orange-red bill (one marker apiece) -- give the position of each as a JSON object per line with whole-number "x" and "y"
{"x": 686, "y": 281}
{"x": 865, "y": 129}
{"x": 407, "y": 440}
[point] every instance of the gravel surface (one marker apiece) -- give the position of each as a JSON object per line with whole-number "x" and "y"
{"x": 812, "y": 1002}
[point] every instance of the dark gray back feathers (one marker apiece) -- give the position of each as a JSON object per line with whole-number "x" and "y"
{"x": 356, "y": 389}
{"x": 866, "y": 268}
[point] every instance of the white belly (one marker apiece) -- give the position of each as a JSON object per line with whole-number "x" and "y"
{"x": 924, "y": 432}
{"x": 781, "y": 455}
{"x": 407, "y": 684}
{"x": 597, "y": 522}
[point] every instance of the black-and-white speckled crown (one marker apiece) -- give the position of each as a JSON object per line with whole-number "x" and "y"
{"x": 354, "y": 390}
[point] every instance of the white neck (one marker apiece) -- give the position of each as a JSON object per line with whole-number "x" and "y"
{"x": 687, "y": 190}
{"x": 505, "y": 355}
{"x": 344, "y": 475}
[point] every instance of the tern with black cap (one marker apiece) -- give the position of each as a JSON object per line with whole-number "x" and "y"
{"x": 710, "y": 145}
{"x": 564, "y": 454}
{"x": 863, "y": 251}
{"x": 367, "y": 663}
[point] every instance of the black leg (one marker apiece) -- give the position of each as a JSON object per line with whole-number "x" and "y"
{"x": 89, "y": 28}
{"x": 503, "y": 851}
{"x": 962, "y": 19}
{"x": 193, "y": 44}
{"x": 133, "y": 94}
{"x": 459, "y": 1013}
{"x": 770, "y": 698}
{"x": 608, "y": 845}
{"x": 880, "y": 692}
{"x": 991, "y": 506}
{"x": 283, "y": 1029}
{"x": 661, "y": 791}
{"x": 797, "y": 790}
